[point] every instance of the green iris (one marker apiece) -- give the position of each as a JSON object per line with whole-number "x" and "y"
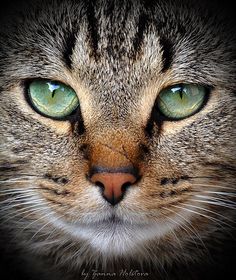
{"x": 181, "y": 101}
{"x": 53, "y": 99}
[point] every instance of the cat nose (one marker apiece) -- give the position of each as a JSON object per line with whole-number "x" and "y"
{"x": 114, "y": 181}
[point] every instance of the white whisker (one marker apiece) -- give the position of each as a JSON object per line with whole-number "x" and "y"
{"x": 36, "y": 221}
{"x": 190, "y": 234}
{"x": 13, "y": 199}
{"x": 214, "y": 203}
{"x": 230, "y": 202}
{"x": 14, "y": 205}
{"x": 207, "y": 210}
{"x": 219, "y": 222}
{"x": 173, "y": 232}
{"x": 221, "y": 193}
{"x": 49, "y": 222}
{"x": 13, "y": 191}
{"x": 191, "y": 228}
{"x": 25, "y": 210}
{"x": 203, "y": 185}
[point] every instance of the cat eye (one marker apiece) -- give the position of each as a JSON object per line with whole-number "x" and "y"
{"x": 181, "y": 101}
{"x": 52, "y": 99}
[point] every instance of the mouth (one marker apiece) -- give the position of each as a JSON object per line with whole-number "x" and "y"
{"x": 113, "y": 220}
{"x": 114, "y": 235}
{"x": 110, "y": 221}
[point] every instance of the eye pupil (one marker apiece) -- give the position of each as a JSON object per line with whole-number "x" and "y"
{"x": 53, "y": 93}
{"x": 181, "y": 94}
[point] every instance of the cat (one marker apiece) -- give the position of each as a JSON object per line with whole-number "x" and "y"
{"x": 117, "y": 150}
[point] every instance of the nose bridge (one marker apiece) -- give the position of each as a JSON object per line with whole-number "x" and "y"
{"x": 113, "y": 150}
{"x": 113, "y": 164}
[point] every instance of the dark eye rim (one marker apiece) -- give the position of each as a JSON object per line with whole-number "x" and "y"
{"x": 162, "y": 117}
{"x": 26, "y": 84}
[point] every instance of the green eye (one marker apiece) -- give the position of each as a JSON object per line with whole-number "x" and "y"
{"x": 181, "y": 101}
{"x": 53, "y": 99}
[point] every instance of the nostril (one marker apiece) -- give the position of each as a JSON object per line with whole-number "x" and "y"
{"x": 125, "y": 186}
{"x": 100, "y": 185}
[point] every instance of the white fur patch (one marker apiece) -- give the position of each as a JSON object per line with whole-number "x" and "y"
{"x": 114, "y": 237}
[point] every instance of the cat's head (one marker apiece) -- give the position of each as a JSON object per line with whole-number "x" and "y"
{"x": 117, "y": 128}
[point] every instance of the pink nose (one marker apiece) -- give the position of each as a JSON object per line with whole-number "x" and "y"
{"x": 113, "y": 184}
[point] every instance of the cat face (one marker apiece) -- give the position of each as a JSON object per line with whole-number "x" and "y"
{"x": 139, "y": 160}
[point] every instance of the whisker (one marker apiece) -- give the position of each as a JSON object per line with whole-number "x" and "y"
{"x": 32, "y": 211}
{"x": 13, "y": 191}
{"x": 203, "y": 185}
{"x": 206, "y": 216}
{"x": 49, "y": 222}
{"x": 36, "y": 221}
{"x": 21, "y": 180}
{"x": 216, "y": 199}
{"x": 191, "y": 228}
{"x": 207, "y": 210}
{"x": 20, "y": 175}
{"x": 52, "y": 231}
{"x": 23, "y": 211}
{"x": 14, "y": 205}
{"x": 182, "y": 227}
{"x": 17, "y": 197}
{"x": 214, "y": 203}
{"x": 221, "y": 193}
{"x": 173, "y": 232}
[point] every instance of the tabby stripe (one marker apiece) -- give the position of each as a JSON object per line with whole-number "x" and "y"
{"x": 167, "y": 53}
{"x": 138, "y": 39}
{"x": 93, "y": 27}
{"x": 70, "y": 41}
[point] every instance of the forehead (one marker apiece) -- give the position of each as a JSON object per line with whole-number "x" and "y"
{"x": 116, "y": 46}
